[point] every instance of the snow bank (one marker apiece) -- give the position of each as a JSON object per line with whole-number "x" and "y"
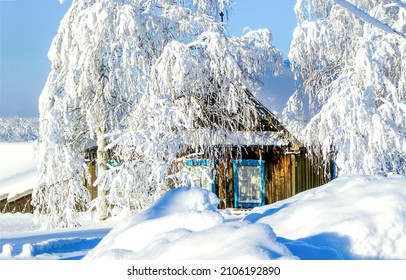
{"x": 352, "y": 217}
{"x": 177, "y": 225}
{"x": 22, "y": 239}
{"x": 18, "y": 171}
{"x": 355, "y": 217}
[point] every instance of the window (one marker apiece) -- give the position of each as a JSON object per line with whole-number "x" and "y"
{"x": 249, "y": 183}
{"x": 200, "y": 174}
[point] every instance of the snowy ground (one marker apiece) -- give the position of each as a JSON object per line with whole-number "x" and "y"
{"x": 353, "y": 217}
{"x": 22, "y": 239}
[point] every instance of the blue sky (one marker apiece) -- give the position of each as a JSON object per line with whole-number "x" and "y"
{"x": 28, "y": 26}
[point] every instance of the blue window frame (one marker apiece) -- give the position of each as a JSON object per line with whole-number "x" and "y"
{"x": 249, "y": 183}
{"x": 201, "y": 174}
{"x": 333, "y": 171}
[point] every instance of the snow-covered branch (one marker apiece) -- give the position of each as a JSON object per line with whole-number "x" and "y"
{"x": 369, "y": 19}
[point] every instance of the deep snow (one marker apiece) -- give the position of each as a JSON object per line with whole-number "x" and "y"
{"x": 177, "y": 225}
{"x": 352, "y": 217}
{"x": 21, "y": 239}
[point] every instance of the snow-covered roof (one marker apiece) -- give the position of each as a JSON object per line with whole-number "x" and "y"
{"x": 18, "y": 196}
{"x": 237, "y": 138}
{"x": 267, "y": 138}
{"x": 18, "y": 168}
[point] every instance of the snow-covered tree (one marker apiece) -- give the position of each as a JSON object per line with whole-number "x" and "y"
{"x": 195, "y": 99}
{"x": 18, "y": 129}
{"x": 130, "y": 76}
{"x": 100, "y": 59}
{"x": 350, "y": 59}
{"x": 84, "y": 98}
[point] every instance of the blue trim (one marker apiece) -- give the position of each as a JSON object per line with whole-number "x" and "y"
{"x": 333, "y": 170}
{"x": 197, "y": 162}
{"x": 248, "y": 162}
{"x": 113, "y": 163}
{"x": 203, "y": 162}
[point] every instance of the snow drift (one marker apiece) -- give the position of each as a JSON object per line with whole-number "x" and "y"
{"x": 177, "y": 225}
{"x": 352, "y": 217}
{"x": 358, "y": 217}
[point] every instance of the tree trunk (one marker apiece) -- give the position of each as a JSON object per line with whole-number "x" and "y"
{"x": 102, "y": 168}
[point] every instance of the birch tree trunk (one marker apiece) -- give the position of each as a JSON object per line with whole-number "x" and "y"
{"x": 102, "y": 168}
{"x": 102, "y": 157}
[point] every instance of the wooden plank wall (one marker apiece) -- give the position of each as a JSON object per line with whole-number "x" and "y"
{"x": 3, "y": 203}
{"x": 90, "y": 158}
{"x": 309, "y": 174}
{"x": 22, "y": 205}
{"x": 225, "y": 182}
{"x": 281, "y": 176}
{"x": 286, "y": 173}
{"x": 90, "y": 185}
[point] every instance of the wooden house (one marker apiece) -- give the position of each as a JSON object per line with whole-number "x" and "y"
{"x": 254, "y": 168}
{"x": 265, "y": 165}
{"x": 258, "y": 167}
